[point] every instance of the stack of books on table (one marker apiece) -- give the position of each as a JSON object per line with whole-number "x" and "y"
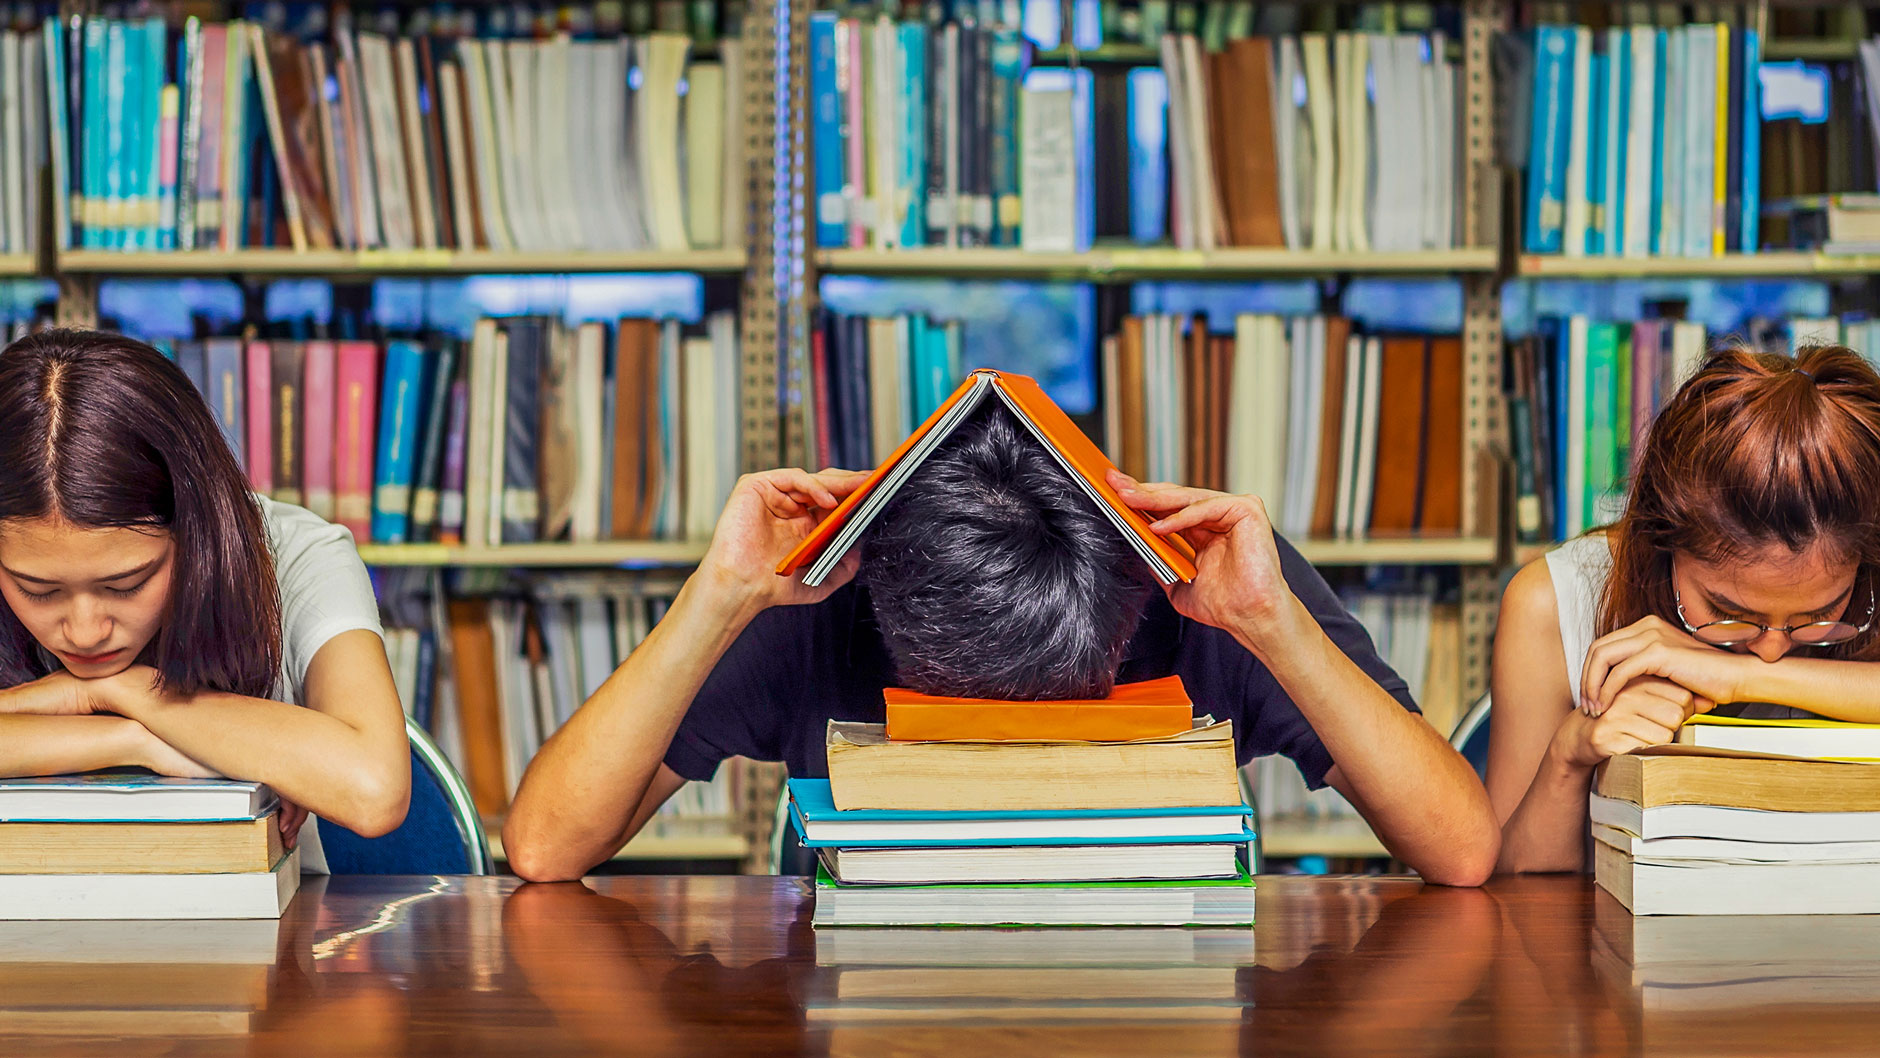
{"x": 1743, "y": 817}
{"x": 128, "y": 845}
{"x": 1124, "y": 811}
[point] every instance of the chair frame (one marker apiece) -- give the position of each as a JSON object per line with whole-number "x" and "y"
{"x": 476, "y": 842}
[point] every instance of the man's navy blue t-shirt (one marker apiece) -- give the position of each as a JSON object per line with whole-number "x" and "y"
{"x": 797, "y": 667}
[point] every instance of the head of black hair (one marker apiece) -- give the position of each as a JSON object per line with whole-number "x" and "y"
{"x": 994, "y": 575}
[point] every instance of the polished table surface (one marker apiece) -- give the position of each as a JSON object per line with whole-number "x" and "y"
{"x": 730, "y": 966}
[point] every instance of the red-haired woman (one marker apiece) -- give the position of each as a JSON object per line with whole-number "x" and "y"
{"x": 155, "y": 612}
{"x": 1741, "y": 571}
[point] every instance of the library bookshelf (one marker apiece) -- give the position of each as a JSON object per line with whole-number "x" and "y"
{"x": 1121, "y": 263}
{"x": 373, "y": 263}
{"x": 1770, "y": 265}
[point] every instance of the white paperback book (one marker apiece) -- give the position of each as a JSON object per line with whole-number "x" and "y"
{"x": 151, "y": 896}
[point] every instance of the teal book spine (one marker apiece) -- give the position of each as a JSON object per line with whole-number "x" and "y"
{"x": 1751, "y": 238}
{"x": 1670, "y": 239}
{"x": 155, "y": 43}
{"x": 1658, "y": 141}
{"x": 1547, "y": 150}
{"x": 65, "y": 204}
{"x": 1618, "y": 140}
{"x": 399, "y": 402}
{"x": 911, "y": 181}
{"x": 97, "y": 154}
{"x": 1008, "y": 71}
{"x": 1599, "y": 141}
{"x": 826, "y": 147}
{"x": 1602, "y": 356}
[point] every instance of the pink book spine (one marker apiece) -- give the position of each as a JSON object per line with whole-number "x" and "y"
{"x": 260, "y": 440}
{"x": 317, "y": 470}
{"x": 356, "y": 405}
{"x": 858, "y": 134}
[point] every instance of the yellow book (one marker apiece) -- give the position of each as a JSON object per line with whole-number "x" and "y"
{"x": 1721, "y": 177}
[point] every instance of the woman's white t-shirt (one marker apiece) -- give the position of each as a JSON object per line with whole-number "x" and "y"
{"x": 324, "y": 591}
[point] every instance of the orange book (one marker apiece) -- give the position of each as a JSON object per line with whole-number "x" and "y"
{"x": 1170, "y": 557}
{"x": 1151, "y": 709}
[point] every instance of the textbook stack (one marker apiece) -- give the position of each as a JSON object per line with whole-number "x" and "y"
{"x": 944, "y": 133}
{"x": 1341, "y": 434}
{"x": 456, "y": 130}
{"x": 532, "y": 430}
{"x": 129, "y": 845}
{"x": 1743, "y": 817}
{"x": 1122, "y": 811}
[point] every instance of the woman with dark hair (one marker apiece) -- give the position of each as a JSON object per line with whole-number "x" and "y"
{"x": 155, "y": 612}
{"x": 1742, "y": 571}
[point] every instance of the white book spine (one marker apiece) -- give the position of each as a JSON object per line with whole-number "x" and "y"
{"x": 1640, "y": 141}
{"x": 1578, "y": 211}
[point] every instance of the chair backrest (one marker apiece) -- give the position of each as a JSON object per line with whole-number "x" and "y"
{"x": 1471, "y": 737}
{"x": 441, "y": 834}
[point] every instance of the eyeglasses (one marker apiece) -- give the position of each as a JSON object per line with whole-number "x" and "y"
{"x": 1733, "y": 632}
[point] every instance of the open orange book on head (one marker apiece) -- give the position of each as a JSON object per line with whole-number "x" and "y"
{"x": 1169, "y": 557}
{"x": 1150, "y": 709}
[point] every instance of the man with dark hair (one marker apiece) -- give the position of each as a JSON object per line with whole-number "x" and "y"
{"x": 992, "y": 575}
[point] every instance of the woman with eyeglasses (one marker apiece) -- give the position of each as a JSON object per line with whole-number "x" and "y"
{"x": 1740, "y": 578}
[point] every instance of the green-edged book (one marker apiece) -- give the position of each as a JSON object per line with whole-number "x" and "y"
{"x": 1186, "y": 902}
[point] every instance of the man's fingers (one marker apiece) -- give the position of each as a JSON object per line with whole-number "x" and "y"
{"x": 1219, "y": 511}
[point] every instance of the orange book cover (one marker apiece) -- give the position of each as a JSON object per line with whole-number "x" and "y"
{"x": 1151, "y": 709}
{"x": 1077, "y": 453}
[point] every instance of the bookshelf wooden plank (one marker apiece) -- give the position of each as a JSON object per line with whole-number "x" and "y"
{"x": 19, "y": 264}
{"x": 1117, "y": 262}
{"x": 389, "y": 262}
{"x": 1440, "y": 551}
{"x": 602, "y": 553}
{"x": 1290, "y": 839}
{"x": 1779, "y": 263}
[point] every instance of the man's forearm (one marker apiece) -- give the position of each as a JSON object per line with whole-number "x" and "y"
{"x": 1423, "y": 799}
{"x": 1547, "y": 831}
{"x": 577, "y": 801}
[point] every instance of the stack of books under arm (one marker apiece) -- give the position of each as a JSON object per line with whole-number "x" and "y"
{"x": 130, "y": 845}
{"x": 1743, "y": 817}
{"x": 1122, "y": 811}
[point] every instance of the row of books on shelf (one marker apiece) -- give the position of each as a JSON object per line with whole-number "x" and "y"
{"x": 493, "y": 667}
{"x": 440, "y": 133}
{"x": 1341, "y": 434}
{"x": 942, "y": 134}
{"x": 1581, "y": 393}
{"x": 533, "y": 430}
{"x": 1644, "y": 141}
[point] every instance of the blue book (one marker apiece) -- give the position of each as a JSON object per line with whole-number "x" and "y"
{"x": 222, "y": 359}
{"x": 825, "y": 107}
{"x": 1084, "y": 139}
{"x": 1547, "y": 148}
{"x": 1008, "y": 73}
{"x": 1658, "y": 139}
{"x": 823, "y": 825}
{"x": 1599, "y": 136}
{"x": 1618, "y": 153}
{"x": 1752, "y": 142}
{"x": 97, "y": 109}
{"x": 911, "y": 183}
{"x": 399, "y": 402}
{"x": 59, "y": 130}
{"x": 1148, "y": 155}
{"x": 156, "y": 49}
{"x": 1670, "y": 237}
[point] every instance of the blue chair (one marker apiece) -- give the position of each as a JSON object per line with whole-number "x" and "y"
{"x": 1471, "y": 737}
{"x": 441, "y": 834}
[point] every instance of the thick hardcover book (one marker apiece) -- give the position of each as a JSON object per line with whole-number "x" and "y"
{"x": 317, "y": 430}
{"x": 1152, "y": 709}
{"x": 520, "y": 488}
{"x": 400, "y": 403}
{"x": 259, "y": 446}
{"x": 428, "y": 477}
{"x": 225, "y": 391}
{"x": 355, "y": 435}
{"x": 289, "y": 420}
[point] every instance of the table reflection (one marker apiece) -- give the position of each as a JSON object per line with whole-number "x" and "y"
{"x": 726, "y": 966}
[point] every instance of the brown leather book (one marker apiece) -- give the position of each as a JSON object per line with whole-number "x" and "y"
{"x": 1442, "y": 444}
{"x": 479, "y": 711}
{"x": 653, "y": 481}
{"x": 1401, "y": 405}
{"x": 629, "y": 440}
{"x": 1135, "y": 448}
{"x": 1246, "y": 163}
{"x": 304, "y": 167}
{"x": 555, "y": 451}
{"x": 1331, "y": 425}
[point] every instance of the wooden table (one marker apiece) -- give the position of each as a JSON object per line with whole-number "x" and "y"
{"x": 729, "y": 966}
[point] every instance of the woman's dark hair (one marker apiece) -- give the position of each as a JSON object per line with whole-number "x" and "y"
{"x": 100, "y": 431}
{"x": 1755, "y": 449}
{"x": 993, "y": 575}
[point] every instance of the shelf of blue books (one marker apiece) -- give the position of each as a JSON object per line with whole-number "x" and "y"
{"x": 1128, "y": 262}
{"x": 1745, "y": 265}
{"x": 283, "y": 262}
{"x": 596, "y": 554}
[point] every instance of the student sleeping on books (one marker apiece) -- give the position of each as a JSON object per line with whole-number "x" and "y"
{"x": 991, "y": 573}
{"x": 1742, "y": 571}
{"x": 154, "y": 612}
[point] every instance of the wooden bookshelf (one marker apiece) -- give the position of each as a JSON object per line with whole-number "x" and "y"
{"x": 17, "y": 265}
{"x": 651, "y": 846}
{"x": 1777, "y": 264}
{"x": 1408, "y": 551}
{"x": 601, "y": 553}
{"x": 1288, "y": 839}
{"x": 390, "y": 262}
{"x": 1127, "y": 262}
